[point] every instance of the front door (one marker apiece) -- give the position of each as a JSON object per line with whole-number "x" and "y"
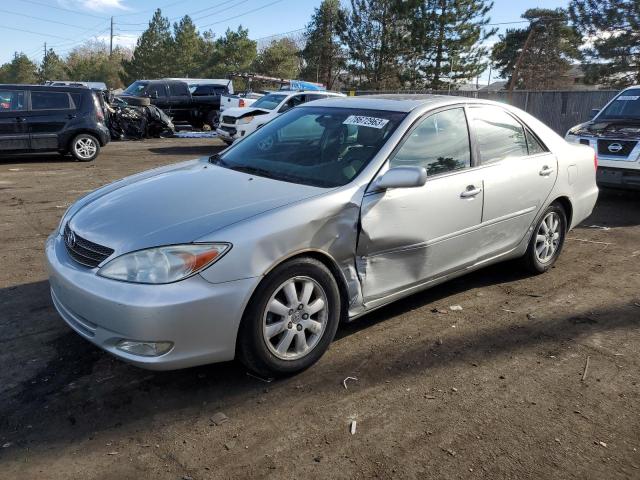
{"x": 519, "y": 174}
{"x": 412, "y": 235}
{"x": 13, "y": 130}
{"x": 49, "y": 114}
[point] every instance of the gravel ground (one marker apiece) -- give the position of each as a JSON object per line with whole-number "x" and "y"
{"x": 493, "y": 391}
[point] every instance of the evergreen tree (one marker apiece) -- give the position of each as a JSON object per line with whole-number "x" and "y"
{"x": 279, "y": 59}
{"x": 373, "y": 38}
{"x": 152, "y": 57}
{"x": 188, "y": 49}
{"x": 553, "y": 45}
{"x": 91, "y": 62}
{"x": 612, "y": 28}
{"x": 324, "y": 56}
{"x": 19, "y": 70}
{"x": 235, "y": 52}
{"x": 456, "y": 49}
{"x": 52, "y": 68}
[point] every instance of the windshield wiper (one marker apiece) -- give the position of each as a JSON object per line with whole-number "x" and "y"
{"x": 216, "y": 159}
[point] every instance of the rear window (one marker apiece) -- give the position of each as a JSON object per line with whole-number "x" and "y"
{"x": 625, "y": 106}
{"x": 50, "y": 101}
{"x": 11, "y": 100}
{"x": 178, "y": 89}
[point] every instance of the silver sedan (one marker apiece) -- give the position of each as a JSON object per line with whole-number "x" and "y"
{"x": 328, "y": 212}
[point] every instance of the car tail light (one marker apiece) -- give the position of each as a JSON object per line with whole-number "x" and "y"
{"x": 241, "y": 103}
{"x": 595, "y": 160}
{"x": 99, "y": 111}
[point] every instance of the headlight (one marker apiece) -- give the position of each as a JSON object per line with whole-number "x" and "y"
{"x": 245, "y": 120}
{"x": 163, "y": 264}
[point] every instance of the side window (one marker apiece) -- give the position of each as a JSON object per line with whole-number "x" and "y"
{"x": 178, "y": 89}
{"x": 50, "y": 101}
{"x": 12, "y": 100}
{"x": 534, "y": 145}
{"x": 77, "y": 99}
{"x": 439, "y": 144}
{"x": 498, "y": 134}
{"x": 156, "y": 90}
{"x": 292, "y": 102}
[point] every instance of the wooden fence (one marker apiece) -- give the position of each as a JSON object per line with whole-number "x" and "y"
{"x": 560, "y": 110}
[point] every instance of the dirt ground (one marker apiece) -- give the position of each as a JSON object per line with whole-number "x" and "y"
{"x": 493, "y": 391}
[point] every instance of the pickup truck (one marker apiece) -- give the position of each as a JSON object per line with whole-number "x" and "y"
{"x": 239, "y": 101}
{"x": 195, "y": 103}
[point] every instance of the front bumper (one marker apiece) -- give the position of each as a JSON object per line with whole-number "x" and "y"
{"x": 618, "y": 178}
{"x": 200, "y": 318}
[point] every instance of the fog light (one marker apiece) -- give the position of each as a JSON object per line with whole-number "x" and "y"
{"x": 144, "y": 349}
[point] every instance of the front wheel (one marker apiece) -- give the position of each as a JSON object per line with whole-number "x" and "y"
{"x": 85, "y": 147}
{"x": 547, "y": 240}
{"x": 291, "y": 319}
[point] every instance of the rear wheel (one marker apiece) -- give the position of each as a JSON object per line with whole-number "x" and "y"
{"x": 547, "y": 240}
{"x": 85, "y": 147}
{"x": 291, "y": 320}
{"x": 213, "y": 120}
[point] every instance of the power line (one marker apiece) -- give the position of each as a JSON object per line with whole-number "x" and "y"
{"x": 242, "y": 14}
{"x": 140, "y": 12}
{"x": 222, "y": 10}
{"x": 63, "y": 9}
{"x": 36, "y": 33}
{"x": 40, "y": 18}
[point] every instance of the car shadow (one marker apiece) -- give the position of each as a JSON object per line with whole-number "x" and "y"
{"x": 615, "y": 208}
{"x": 48, "y": 157}
{"x": 77, "y": 389}
{"x": 197, "y": 150}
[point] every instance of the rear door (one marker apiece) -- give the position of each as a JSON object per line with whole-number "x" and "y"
{"x": 49, "y": 114}
{"x": 13, "y": 127}
{"x": 412, "y": 235}
{"x": 519, "y": 173}
{"x": 179, "y": 101}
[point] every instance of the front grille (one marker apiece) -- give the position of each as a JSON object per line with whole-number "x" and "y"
{"x": 228, "y": 120}
{"x": 83, "y": 251}
{"x": 229, "y": 130}
{"x": 616, "y": 148}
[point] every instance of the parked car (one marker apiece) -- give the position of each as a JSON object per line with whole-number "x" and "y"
{"x": 174, "y": 97}
{"x": 39, "y": 118}
{"x": 326, "y": 213}
{"x": 101, "y": 86}
{"x": 615, "y": 134}
{"x": 244, "y": 99}
{"x": 237, "y": 123}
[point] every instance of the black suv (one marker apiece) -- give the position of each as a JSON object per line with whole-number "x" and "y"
{"x": 37, "y": 118}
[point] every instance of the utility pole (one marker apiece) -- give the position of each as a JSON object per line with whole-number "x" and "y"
{"x": 44, "y": 57}
{"x": 516, "y": 68}
{"x": 111, "y": 39}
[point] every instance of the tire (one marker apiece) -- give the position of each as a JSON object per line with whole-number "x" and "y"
{"x": 213, "y": 120}
{"x": 84, "y": 147}
{"x": 137, "y": 101}
{"x": 547, "y": 240}
{"x": 274, "y": 331}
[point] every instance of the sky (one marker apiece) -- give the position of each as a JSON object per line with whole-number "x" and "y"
{"x": 25, "y": 25}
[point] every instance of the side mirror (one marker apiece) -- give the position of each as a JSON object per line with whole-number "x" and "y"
{"x": 402, "y": 177}
{"x": 594, "y": 112}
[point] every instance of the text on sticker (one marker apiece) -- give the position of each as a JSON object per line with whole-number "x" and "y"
{"x": 363, "y": 121}
{"x": 628, "y": 98}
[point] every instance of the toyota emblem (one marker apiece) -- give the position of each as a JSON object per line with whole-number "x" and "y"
{"x": 615, "y": 147}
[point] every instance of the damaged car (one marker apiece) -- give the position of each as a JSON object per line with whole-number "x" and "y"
{"x": 237, "y": 123}
{"x": 326, "y": 213}
{"x": 614, "y": 133}
{"x": 135, "y": 118}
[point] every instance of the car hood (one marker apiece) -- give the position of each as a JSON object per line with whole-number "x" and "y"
{"x": 608, "y": 128}
{"x": 179, "y": 205}
{"x": 238, "y": 112}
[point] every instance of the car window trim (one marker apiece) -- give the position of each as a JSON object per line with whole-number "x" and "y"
{"x": 31, "y": 109}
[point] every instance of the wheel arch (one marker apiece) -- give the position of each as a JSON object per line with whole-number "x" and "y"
{"x": 80, "y": 131}
{"x": 567, "y": 207}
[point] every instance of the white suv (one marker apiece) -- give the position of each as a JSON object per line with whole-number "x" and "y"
{"x": 237, "y": 123}
{"x": 614, "y": 133}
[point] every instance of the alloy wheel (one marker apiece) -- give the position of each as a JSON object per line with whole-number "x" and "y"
{"x": 295, "y": 318}
{"x": 85, "y": 147}
{"x": 548, "y": 237}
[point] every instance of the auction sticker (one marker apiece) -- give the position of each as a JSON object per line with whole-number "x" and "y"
{"x": 363, "y": 121}
{"x": 623, "y": 98}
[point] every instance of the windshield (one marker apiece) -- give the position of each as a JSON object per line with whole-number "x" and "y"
{"x": 318, "y": 146}
{"x": 136, "y": 88}
{"x": 269, "y": 102}
{"x": 625, "y": 106}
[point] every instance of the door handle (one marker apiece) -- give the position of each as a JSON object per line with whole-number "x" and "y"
{"x": 471, "y": 191}
{"x": 546, "y": 171}
{"x": 20, "y": 119}
{"x": 71, "y": 115}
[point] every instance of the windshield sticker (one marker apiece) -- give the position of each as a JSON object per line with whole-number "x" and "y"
{"x": 628, "y": 98}
{"x": 362, "y": 121}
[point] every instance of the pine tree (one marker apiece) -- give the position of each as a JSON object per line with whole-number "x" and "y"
{"x": 456, "y": 49}
{"x": 553, "y": 45}
{"x": 153, "y": 55}
{"x": 92, "y": 62}
{"x": 279, "y": 59}
{"x": 373, "y": 37}
{"x": 52, "y": 68}
{"x": 612, "y": 27}
{"x": 233, "y": 53}
{"x": 188, "y": 49}
{"x": 324, "y": 56}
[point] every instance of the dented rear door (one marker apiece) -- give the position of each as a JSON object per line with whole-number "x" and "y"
{"x": 411, "y": 235}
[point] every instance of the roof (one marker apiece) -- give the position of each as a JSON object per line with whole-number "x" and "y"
{"x": 391, "y": 102}
{"x": 57, "y": 88}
